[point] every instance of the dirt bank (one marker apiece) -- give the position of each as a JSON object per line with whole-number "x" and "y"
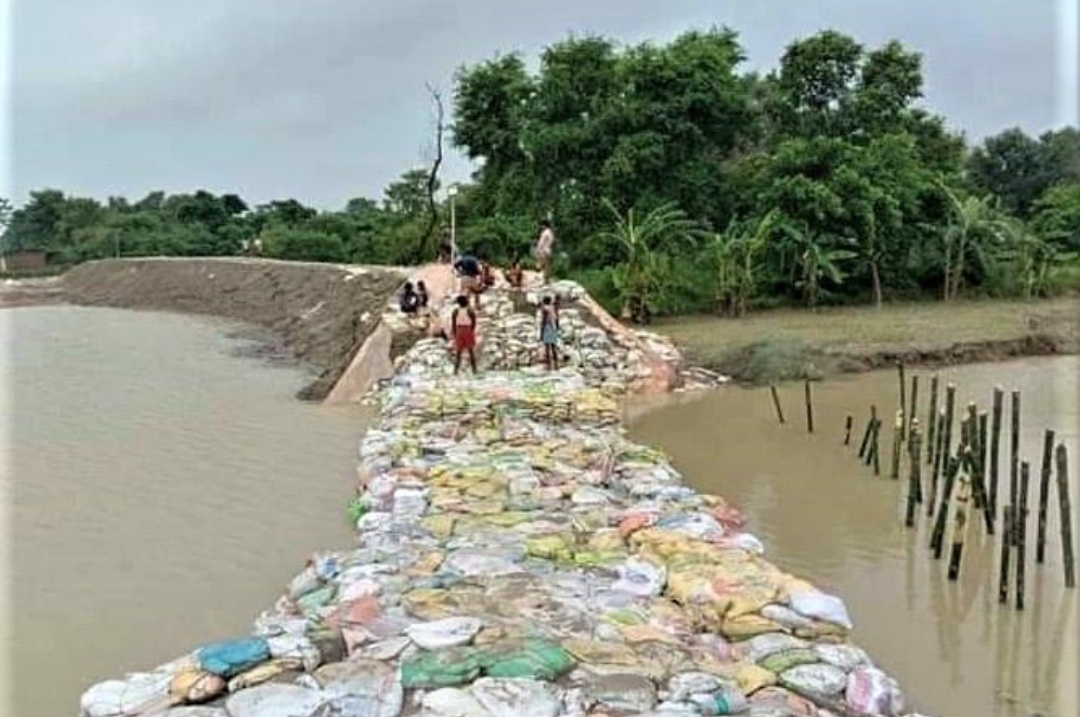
{"x": 30, "y": 292}
{"x": 320, "y": 313}
{"x": 792, "y": 344}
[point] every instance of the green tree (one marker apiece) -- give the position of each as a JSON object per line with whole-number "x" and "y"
{"x": 735, "y": 257}
{"x": 974, "y": 224}
{"x": 1057, "y": 217}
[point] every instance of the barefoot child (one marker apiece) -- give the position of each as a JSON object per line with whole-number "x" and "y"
{"x": 463, "y": 329}
{"x": 548, "y": 318}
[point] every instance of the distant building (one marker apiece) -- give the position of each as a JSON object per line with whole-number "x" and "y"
{"x": 23, "y": 260}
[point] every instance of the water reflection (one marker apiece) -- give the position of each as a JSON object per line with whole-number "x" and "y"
{"x": 823, "y": 515}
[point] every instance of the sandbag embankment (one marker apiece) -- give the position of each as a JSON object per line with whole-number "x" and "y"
{"x": 320, "y": 313}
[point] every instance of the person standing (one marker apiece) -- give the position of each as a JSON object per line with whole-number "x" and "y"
{"x": 548, "y": 319}
{"x": 469, "y": 270}
{"x": 463, "y": 329}
{"x": 545, "y": 244}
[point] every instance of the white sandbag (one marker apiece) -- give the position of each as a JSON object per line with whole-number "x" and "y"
{"x": 821, "y": 606}
{"x": 361, "y": 688}
{"x": 640, "y": 578}
{"x": 783, "y": 615}
{"x": 306, "y": 582}
{"x": 194, "y": 712}
{"x": 846, "y": 657}
{"x": 509, "y": 697}
{"x": 450, "y": 632}
{"x": 871, "y": 691}
{"x": 818, "y": 679}
{"x": 358, "y": 589}
{"x": 274, "y": 700}
{"x": 758, "y": 648}
{"x": 744, "y": 541}
{"x": 130, "y": 695}
{"x": 682, "y": 686}
{"x": 295, "y": 647}
{"x": 452, "y": 702}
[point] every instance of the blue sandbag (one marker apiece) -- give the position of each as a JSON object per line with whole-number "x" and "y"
{"x": 231, "y": 657}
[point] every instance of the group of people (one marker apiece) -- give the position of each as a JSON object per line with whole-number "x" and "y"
{"x": 476, "y": 277}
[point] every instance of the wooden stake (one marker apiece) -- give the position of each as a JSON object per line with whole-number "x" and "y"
{"x": 776, "y": 402}
{"x": 898, "y": 440}
{"x": 959, "y": 527}
{"x": 1067, "y": 557}
{"x": 875, "y": 448}
{"x": 1021, "y": 534}
{"x": 1014, "y": 460}
{"x": 903, "y": 393}
{"x": 988, "y": 509}
{"x": 809, "y": 408}
{"x": 865, "y": 445}
{"x": 937, "y": 537}
{"x": 914, "y": 479}
{"x": 914, "y": 404}
{"x": 931, "y": 432}
{"x": 1044, "y": 495}
{"x": 848, "y": 425}
{"x": 995, "y": 447}
{"x": 939, "y": 458}
{"x": 977, "y": 493}
{"x": 950, "y": 410}
{"x": 1006, "y": 531}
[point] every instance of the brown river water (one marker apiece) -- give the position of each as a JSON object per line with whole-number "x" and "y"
{"x": 156, "y": 491}
{"x": 823, "y": 515}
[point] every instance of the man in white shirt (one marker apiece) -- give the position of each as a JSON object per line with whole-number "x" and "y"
{"x": 544, "y": 245}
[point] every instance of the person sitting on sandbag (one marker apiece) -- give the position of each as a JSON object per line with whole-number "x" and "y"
{"x": 409, "y": 300}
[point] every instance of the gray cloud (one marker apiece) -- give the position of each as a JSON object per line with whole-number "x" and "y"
{"x": 324, "y": 99}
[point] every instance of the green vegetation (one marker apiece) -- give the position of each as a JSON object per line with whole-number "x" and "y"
{"x": 676, "y": 183}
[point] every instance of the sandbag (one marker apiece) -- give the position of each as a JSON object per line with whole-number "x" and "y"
{"x": 508, "y": 697}
{"x": 231, "y": 657}
{"x": 362, "y": 688}
{"x": 819, "y": 679}
{"x": 113, "y": 698}
{"x": 452, "y": 702}
{"x": 872, "y": 691}
{"x": 640, "y": 578}
{"x": 680, "y": 687}
{"x": 295, "y": 647}
{"x": 274, "y": 701}
{"x": 821, "y": 606}
{"x": 532, "y": 658}
{"x": 193, "y": 686}
{"x": 846, "y": 657}
{"x": 451, "y": 632}
{"x": 445, "y": 668}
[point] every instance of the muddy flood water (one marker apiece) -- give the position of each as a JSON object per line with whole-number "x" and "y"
{"x": 823, "y": 515}
{"x": 157, "y": 491}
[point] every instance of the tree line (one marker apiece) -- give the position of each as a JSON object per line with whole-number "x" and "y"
{"x": 675, "y": 182}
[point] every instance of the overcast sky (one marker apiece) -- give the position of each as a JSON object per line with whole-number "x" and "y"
{"x": 323, "y": 100}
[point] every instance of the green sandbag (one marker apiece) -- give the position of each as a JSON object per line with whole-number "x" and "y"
{"x": 311, "y": 602}
{"x": 782, "y": 661}
{"x": 535, "y": 659}
{"x": 444, "y": 668}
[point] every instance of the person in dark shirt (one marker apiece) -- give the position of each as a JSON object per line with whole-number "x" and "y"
{"x": 422, "y": 295}
{"x": 409, "y": 301}
{"x": 469, "y": 269}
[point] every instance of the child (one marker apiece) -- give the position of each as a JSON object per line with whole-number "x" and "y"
{"x": 463, "y": 329}
{"x": 549, "y": 332}
{"x": 409, "y": 301}
{"x": 421, "y": 296}
{"x": 514, "y": 275}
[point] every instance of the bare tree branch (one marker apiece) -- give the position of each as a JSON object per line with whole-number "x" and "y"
{"x": 433, "y": 176}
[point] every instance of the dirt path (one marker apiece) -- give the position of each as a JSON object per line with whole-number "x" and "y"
{"x": 795, "y": 343}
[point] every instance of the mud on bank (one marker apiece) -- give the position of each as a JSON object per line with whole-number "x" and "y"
{"x": 320, "y": 313}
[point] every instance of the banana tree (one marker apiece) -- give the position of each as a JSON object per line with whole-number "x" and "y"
{"x": 1032, "y": 256}
{"x": 641, "y": 277}
{"x": 734, "y": 254}
{"x": 974, "y": 223}
{"x": 816, "y": 261}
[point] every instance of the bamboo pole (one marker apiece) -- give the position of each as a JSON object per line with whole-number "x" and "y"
{"x": 875, "y": 448}
{"x": 865, "y": 445}
{"x": 849, "y": 423}
{"x": 914, "y": 479}
{"x": 903, "y": 393}
{"x": 809, "y": 408}
{"x": 963, "y": 493}
{"x": 995, "y": 446}
{"x": 931, "y": 424}
{"x": 1021, "y": 534}
{"x": 776, "y": 402}
{"x": 1067, "y": 557}
{"x": 1044, "y": 495}
{"x": 977, "y": 494}
{"x": 912, "y": 412}
{"x": 939, "y": 458}
{"x": 937, "y": 537}
{"x": 898, "y": 440}
{"x": 1014, "y": 459}
{"x": 1006, "y": 531}
{"x": 950, "y": 411}
{"x": 988, "y": 509}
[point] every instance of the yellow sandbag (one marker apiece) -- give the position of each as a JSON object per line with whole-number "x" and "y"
{"x": 441, "y": 525}
{"x": 428, "y": 603}
{"x": 634, "y": 634}
{"x": 427, "y": 564}
{"x": 263, "y": 673}
{"x": 484, "y": 507}
{"x": 484, "y": 489}
{"x": 746, "y": 626}
{"x": 607, "y": 541}
{"x": 509, "y": 518}
{"x": 593, "y": 652}
{"x": 752, "y": 678}
{"x": 192, "y": 686}
{"x": 550, "y": 547}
